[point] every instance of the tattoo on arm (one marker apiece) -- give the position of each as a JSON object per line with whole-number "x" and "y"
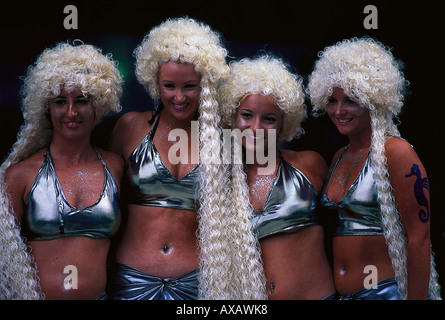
{"x": 419, "y": 185}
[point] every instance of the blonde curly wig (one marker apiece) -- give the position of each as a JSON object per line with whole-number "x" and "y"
{"x": 64, "y": 66}
{"x": 369, "y": 74}
{"x": 186, "y": 40}
{"x": 265, "y": 75}
{"x": 182, "y": 40}
{"x": 365, "y": 70}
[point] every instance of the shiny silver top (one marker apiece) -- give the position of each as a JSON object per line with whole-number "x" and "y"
{"x": 358, "y": 212}
{"x": 291, "y": 203}
{"x": 151, "y": 184}
{"x": 48, "y": 215}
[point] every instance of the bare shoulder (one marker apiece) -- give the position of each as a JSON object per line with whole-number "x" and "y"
{"x": 396, "y": 147}
{"x": 13, "y": 172}
{"x": 304, "y": 158}
{"x": 131, "y": 120}
{"x": 310, "y": 163}
{"x": 128, "y": 131}
{"x": 401, "y": 157}
{"x": 20, "y": 175}
{"x": 133, "y": 117}
{"x": 33, "y": 163}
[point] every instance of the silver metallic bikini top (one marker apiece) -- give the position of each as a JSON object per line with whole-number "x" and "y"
{"x": 290, "y": 204}
{"x": 358, "y": 212}
{"x": 151, "y": 184}
{"x": 48, "y": 215}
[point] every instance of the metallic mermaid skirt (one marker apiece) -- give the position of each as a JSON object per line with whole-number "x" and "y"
{"x": 133, "y": 284}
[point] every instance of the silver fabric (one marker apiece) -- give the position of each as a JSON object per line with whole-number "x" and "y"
{"x": 291, "y": 203}
{"x": 48, "y": 215}
{"x": 358, "y": 212}
{"x": 133, "y": 284}
{"x": 151, "y": 184}
{"x": 387, "y": 289}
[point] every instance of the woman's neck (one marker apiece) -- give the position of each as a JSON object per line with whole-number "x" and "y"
{"x": 360, "y": 142}
{"x": 71, "y": 152}
{"x": 170, "y": 122}
{"x": 265, "y": 166}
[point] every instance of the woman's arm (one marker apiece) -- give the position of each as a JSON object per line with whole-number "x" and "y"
{"x": 410, "y": 183}
{"x": 15, "y": 188}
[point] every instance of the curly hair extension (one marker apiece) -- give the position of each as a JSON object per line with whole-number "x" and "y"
{"x": 368, "y": 73}
{"x": 215, "y": 260}
{"x": 64, "y": 66}
{"x": 19, "y": 280}
{"x": 246, "y": 249}
{"x": 393, "y": 229}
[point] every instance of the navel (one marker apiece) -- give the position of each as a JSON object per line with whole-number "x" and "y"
{"x": 166, "y": 249}
{"x": 342, "y": 271}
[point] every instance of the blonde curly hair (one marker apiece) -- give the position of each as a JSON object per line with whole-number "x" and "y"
{"x": 369, "y": 74}
{"x": 19, "y": 280}
{"x": 186, "y": 40}
{"x": 182, "y": 40}
{"x": 265, "y": 75}
{"x": 64, "y": 66}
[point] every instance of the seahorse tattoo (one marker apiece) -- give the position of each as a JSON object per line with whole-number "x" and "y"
{"x": 419, "y": 185}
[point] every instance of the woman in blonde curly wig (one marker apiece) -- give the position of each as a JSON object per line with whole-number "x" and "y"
{"x": 377, "y": 184}
{"x": 64, "y": 196}
{"x": 174, "y": 246}
{"x": 264, "y": 102}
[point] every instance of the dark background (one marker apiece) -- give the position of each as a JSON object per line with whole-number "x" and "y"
{"x": 293, "y": 30}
